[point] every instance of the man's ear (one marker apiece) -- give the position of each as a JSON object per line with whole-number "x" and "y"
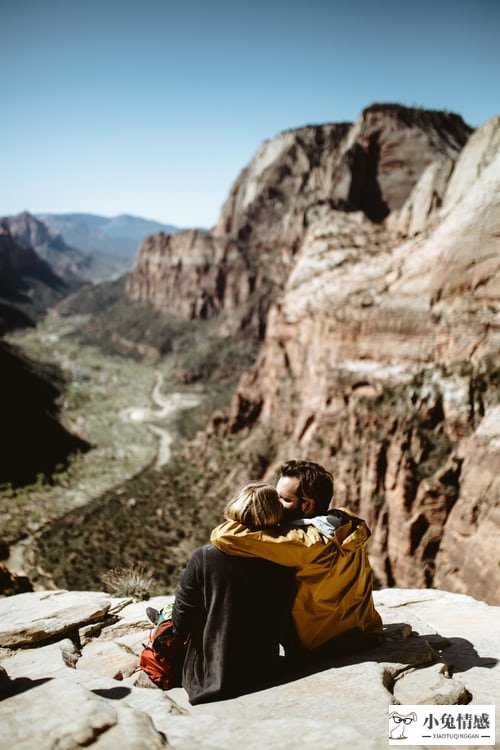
{"x": 308, "y": 506}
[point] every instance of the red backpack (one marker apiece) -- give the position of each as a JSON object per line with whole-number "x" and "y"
{"x": 163, "y": 657}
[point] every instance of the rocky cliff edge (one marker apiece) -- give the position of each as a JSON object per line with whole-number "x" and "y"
{"x": 380, "y": 360}
{"x": 69, "y": 678}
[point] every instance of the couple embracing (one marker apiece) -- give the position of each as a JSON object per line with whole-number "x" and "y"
{"x": 284, "y": 569}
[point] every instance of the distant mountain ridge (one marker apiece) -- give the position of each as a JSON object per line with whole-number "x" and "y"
{"x": 92, "y": 233}
{"x": 84, "y": 247}
{"x": 49, "y": 245}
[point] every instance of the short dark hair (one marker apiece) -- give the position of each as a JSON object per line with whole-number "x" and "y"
{"x": 315, "y": 482}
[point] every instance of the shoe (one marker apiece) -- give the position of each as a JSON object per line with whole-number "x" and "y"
{"x": 152, "y": 614}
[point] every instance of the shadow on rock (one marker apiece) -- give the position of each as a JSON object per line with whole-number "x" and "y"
{"x": 9, "y": 687}
{"x": 399, "y": 646}
{"x": 115, "y": 693}
{"x": 461, "y": 655}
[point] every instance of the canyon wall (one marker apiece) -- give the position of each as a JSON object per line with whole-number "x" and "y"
{"x": 381, "y": 360}
{"x": 28, "y": 284}
{"x": 243, "y": 263}
{"x": 374, "y": 252}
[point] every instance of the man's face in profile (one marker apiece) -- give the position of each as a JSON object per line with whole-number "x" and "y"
{"x": 288, "y": 491}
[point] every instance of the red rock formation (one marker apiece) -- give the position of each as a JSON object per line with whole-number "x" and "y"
{"x": 380, "y": 357}
{"x": 194, "y": 274}
{"x": 370, "y": 166}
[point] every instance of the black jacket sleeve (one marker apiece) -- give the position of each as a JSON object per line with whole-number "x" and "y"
{"x": 189, "y": 613}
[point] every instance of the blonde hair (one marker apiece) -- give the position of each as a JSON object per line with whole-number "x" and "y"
{"x": 257, "y": 505}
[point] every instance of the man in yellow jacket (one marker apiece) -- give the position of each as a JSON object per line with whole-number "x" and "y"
{"x": 326, "y": 547}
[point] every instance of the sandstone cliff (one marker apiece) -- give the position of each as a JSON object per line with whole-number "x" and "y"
{"x": 79, "y": 651}
{"x": 369, "y": 166}
{"x": 367, "y": 257}
{"x": 381, "y": 360}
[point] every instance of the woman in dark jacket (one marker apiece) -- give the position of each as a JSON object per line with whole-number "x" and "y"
{"x": 234, "y": 608}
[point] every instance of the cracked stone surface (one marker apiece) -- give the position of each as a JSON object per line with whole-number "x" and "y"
{"x": 40, "y": 615}
{"x": 440, "y": 648}
{"x": 432, "y": 685}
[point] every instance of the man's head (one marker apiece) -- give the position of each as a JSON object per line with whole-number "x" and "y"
{"x": 305, "y": 489}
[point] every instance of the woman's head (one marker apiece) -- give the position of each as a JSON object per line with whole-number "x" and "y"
{"x": 257, "y": 505}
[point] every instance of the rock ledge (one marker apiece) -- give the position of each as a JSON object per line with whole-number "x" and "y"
{"x": 82, "y": 687}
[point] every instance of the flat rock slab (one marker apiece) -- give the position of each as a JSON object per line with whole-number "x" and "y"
{"x": 108, "y": 658}
{"x": 439, "y": 648}
{"x": 432, "y": 686}
{"x": 27, "y": 619}
{"x": 58, "y": 714}
{"x": 470, "y": 628}
{"x": 134, "y": 613}
{"x": 45, "y": 661}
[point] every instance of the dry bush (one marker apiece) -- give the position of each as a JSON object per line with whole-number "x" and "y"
{"x": 136, "y": 580}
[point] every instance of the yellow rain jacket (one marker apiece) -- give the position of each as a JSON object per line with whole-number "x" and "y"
{"x": 334, "y": 577}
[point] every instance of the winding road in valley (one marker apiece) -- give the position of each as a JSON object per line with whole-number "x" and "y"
{"x": 166, "y": 406}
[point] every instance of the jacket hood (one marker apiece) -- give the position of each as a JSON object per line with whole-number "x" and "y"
{"x": 350, "y": 531}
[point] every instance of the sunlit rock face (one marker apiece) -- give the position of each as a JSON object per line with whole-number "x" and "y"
{"x": 381, "y": 360}
{"x": 197, "y": 275}
{"x": 366, "y": 256}
{"x": 81, "y": 649}
{"x": 370, "y": 166}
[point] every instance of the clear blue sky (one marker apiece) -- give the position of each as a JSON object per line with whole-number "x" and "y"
{"x": 152, "y": 107}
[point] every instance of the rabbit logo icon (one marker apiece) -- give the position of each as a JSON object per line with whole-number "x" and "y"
{"x": 400, "y": 722}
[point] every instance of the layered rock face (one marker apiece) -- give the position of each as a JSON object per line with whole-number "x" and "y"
{"x": 196, "y": 274}
{"x": 381, "y": 361}
{"x": 373, "y": 251}
{"x": 370, "y": 166}
{"x": 81, "y": 650}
